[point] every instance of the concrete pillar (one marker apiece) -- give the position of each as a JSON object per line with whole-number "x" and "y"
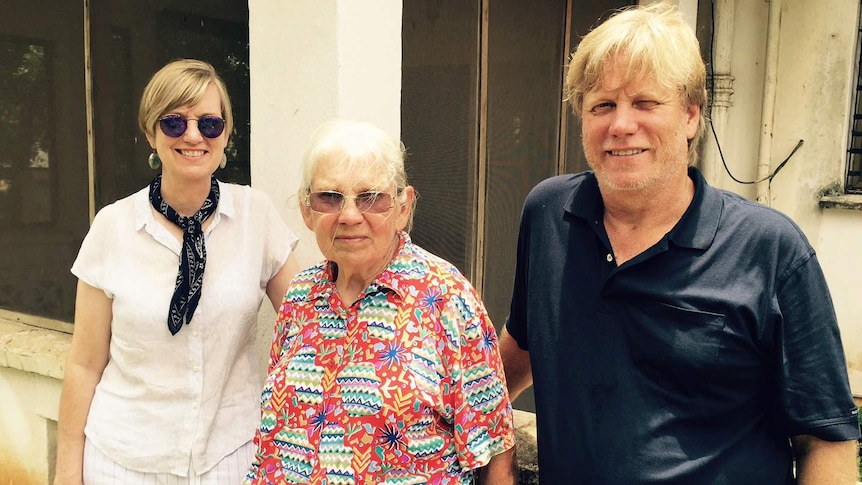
{"x": 721, "y": 90}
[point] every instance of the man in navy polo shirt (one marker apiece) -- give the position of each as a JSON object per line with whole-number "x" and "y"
{"x": 674, "y": 333}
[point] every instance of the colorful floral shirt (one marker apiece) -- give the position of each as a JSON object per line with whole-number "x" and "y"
{"x": 404, "y": 386}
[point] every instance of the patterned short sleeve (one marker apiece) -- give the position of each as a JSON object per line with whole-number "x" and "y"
{"x": 482, "y": 410}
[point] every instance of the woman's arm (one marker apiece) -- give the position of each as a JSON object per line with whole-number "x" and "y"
{"x": 87, "y": 358}
{"x": 277, "y": 286}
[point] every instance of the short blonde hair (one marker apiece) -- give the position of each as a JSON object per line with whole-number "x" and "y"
{"x": 652, "y": 41}
{"x": 180, "y": 83}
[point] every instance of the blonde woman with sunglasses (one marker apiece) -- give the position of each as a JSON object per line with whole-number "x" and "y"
{"x": 162, "y": 379}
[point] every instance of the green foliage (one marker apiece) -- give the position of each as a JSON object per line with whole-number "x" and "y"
{"x": 858, "y": 460}
{"x": 24, "y": 101}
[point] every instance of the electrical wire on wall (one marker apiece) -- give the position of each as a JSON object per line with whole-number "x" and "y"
{"x": 712, "y": 127}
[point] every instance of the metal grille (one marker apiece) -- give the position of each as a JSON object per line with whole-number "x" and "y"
{"x": 853, "y": 184}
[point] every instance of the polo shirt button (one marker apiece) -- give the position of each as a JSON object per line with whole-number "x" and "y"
{"x": 610, "y": 257}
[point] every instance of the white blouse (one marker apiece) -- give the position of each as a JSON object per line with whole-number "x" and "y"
{"x": 164, "y": 399}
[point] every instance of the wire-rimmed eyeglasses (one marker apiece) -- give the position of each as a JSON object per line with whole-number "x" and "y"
{"x": 330, "y": 202}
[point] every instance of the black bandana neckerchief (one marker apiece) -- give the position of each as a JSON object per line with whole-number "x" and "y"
{"x": 193, "y": 258}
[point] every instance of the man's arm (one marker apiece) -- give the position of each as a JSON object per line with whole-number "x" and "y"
{"x": 502, "y": 469}
{"x": 820, "y": 462}
{"x": 516, "y": 365}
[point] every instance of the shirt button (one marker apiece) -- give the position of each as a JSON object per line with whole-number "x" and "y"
{"x": 610, "y": 257}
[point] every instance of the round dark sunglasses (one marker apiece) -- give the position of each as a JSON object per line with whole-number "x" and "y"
{"x": 174, "y": 126}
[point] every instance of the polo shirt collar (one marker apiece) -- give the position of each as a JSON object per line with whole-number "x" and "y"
{"x": 696, "y": 229}
{"x": 699, "y": 224}
{"x": 586, "y": 201}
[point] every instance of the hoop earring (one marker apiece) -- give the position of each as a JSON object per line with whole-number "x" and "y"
{"x": 223, "y": 163}
{"x": 154, "y": 161}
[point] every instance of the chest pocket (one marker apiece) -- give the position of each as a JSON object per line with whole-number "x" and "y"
{"x": 676, "y": 349}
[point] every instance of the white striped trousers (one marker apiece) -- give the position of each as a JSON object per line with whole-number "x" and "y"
{"x": 101, "y": 470}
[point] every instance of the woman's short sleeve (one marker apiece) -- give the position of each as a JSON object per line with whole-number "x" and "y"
{"x": 280, "y": 240}
{"x": 91, "y": 264}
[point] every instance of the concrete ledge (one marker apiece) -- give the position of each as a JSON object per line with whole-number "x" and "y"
{"x": 43, "y": 351}
{"x": 848, "y": 202}
{"x": 526, "y": 450}
{"x": 33, "y": 349}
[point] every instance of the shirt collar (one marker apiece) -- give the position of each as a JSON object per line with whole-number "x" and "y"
{"x": 586, "y": 201}
{"x": 699, "y": 224}
{"x": 696, "y": 228}
{"x": 408, "y": 263}
{"x": 144, "y": 214}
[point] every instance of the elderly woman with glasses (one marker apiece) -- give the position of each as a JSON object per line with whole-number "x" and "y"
{"x": 162, "y": 376}
{"x": 384, "y": 366}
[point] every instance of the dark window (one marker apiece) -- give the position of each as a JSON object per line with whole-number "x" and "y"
{"x": 45, "y": 180}
{"x": 43, "y": 164}
{"x": 853, "y": 184}
{"x": 440, "y": 123}
{"x": 26, "y": 183}
{"x": 130, "y": 42}
{"x": 526, "y": 56}
{"x": 482, "y": 117}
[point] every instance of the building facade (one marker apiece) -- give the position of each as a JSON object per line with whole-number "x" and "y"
{"x": 473, "y": 89}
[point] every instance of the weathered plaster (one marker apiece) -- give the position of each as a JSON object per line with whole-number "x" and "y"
{"x": 31, "y": 368}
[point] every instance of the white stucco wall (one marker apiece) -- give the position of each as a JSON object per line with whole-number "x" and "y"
{"x": 29, "y": 417}
{"x": 814, "y": 73}
{"x": 313, "y": 61}
{"x": 812, "y": 103}
{"x": 840, "y": 253}
{"x": 31, "y": 366}
{"x": 740, "y": 139}
{"x": 815, "y": 69}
